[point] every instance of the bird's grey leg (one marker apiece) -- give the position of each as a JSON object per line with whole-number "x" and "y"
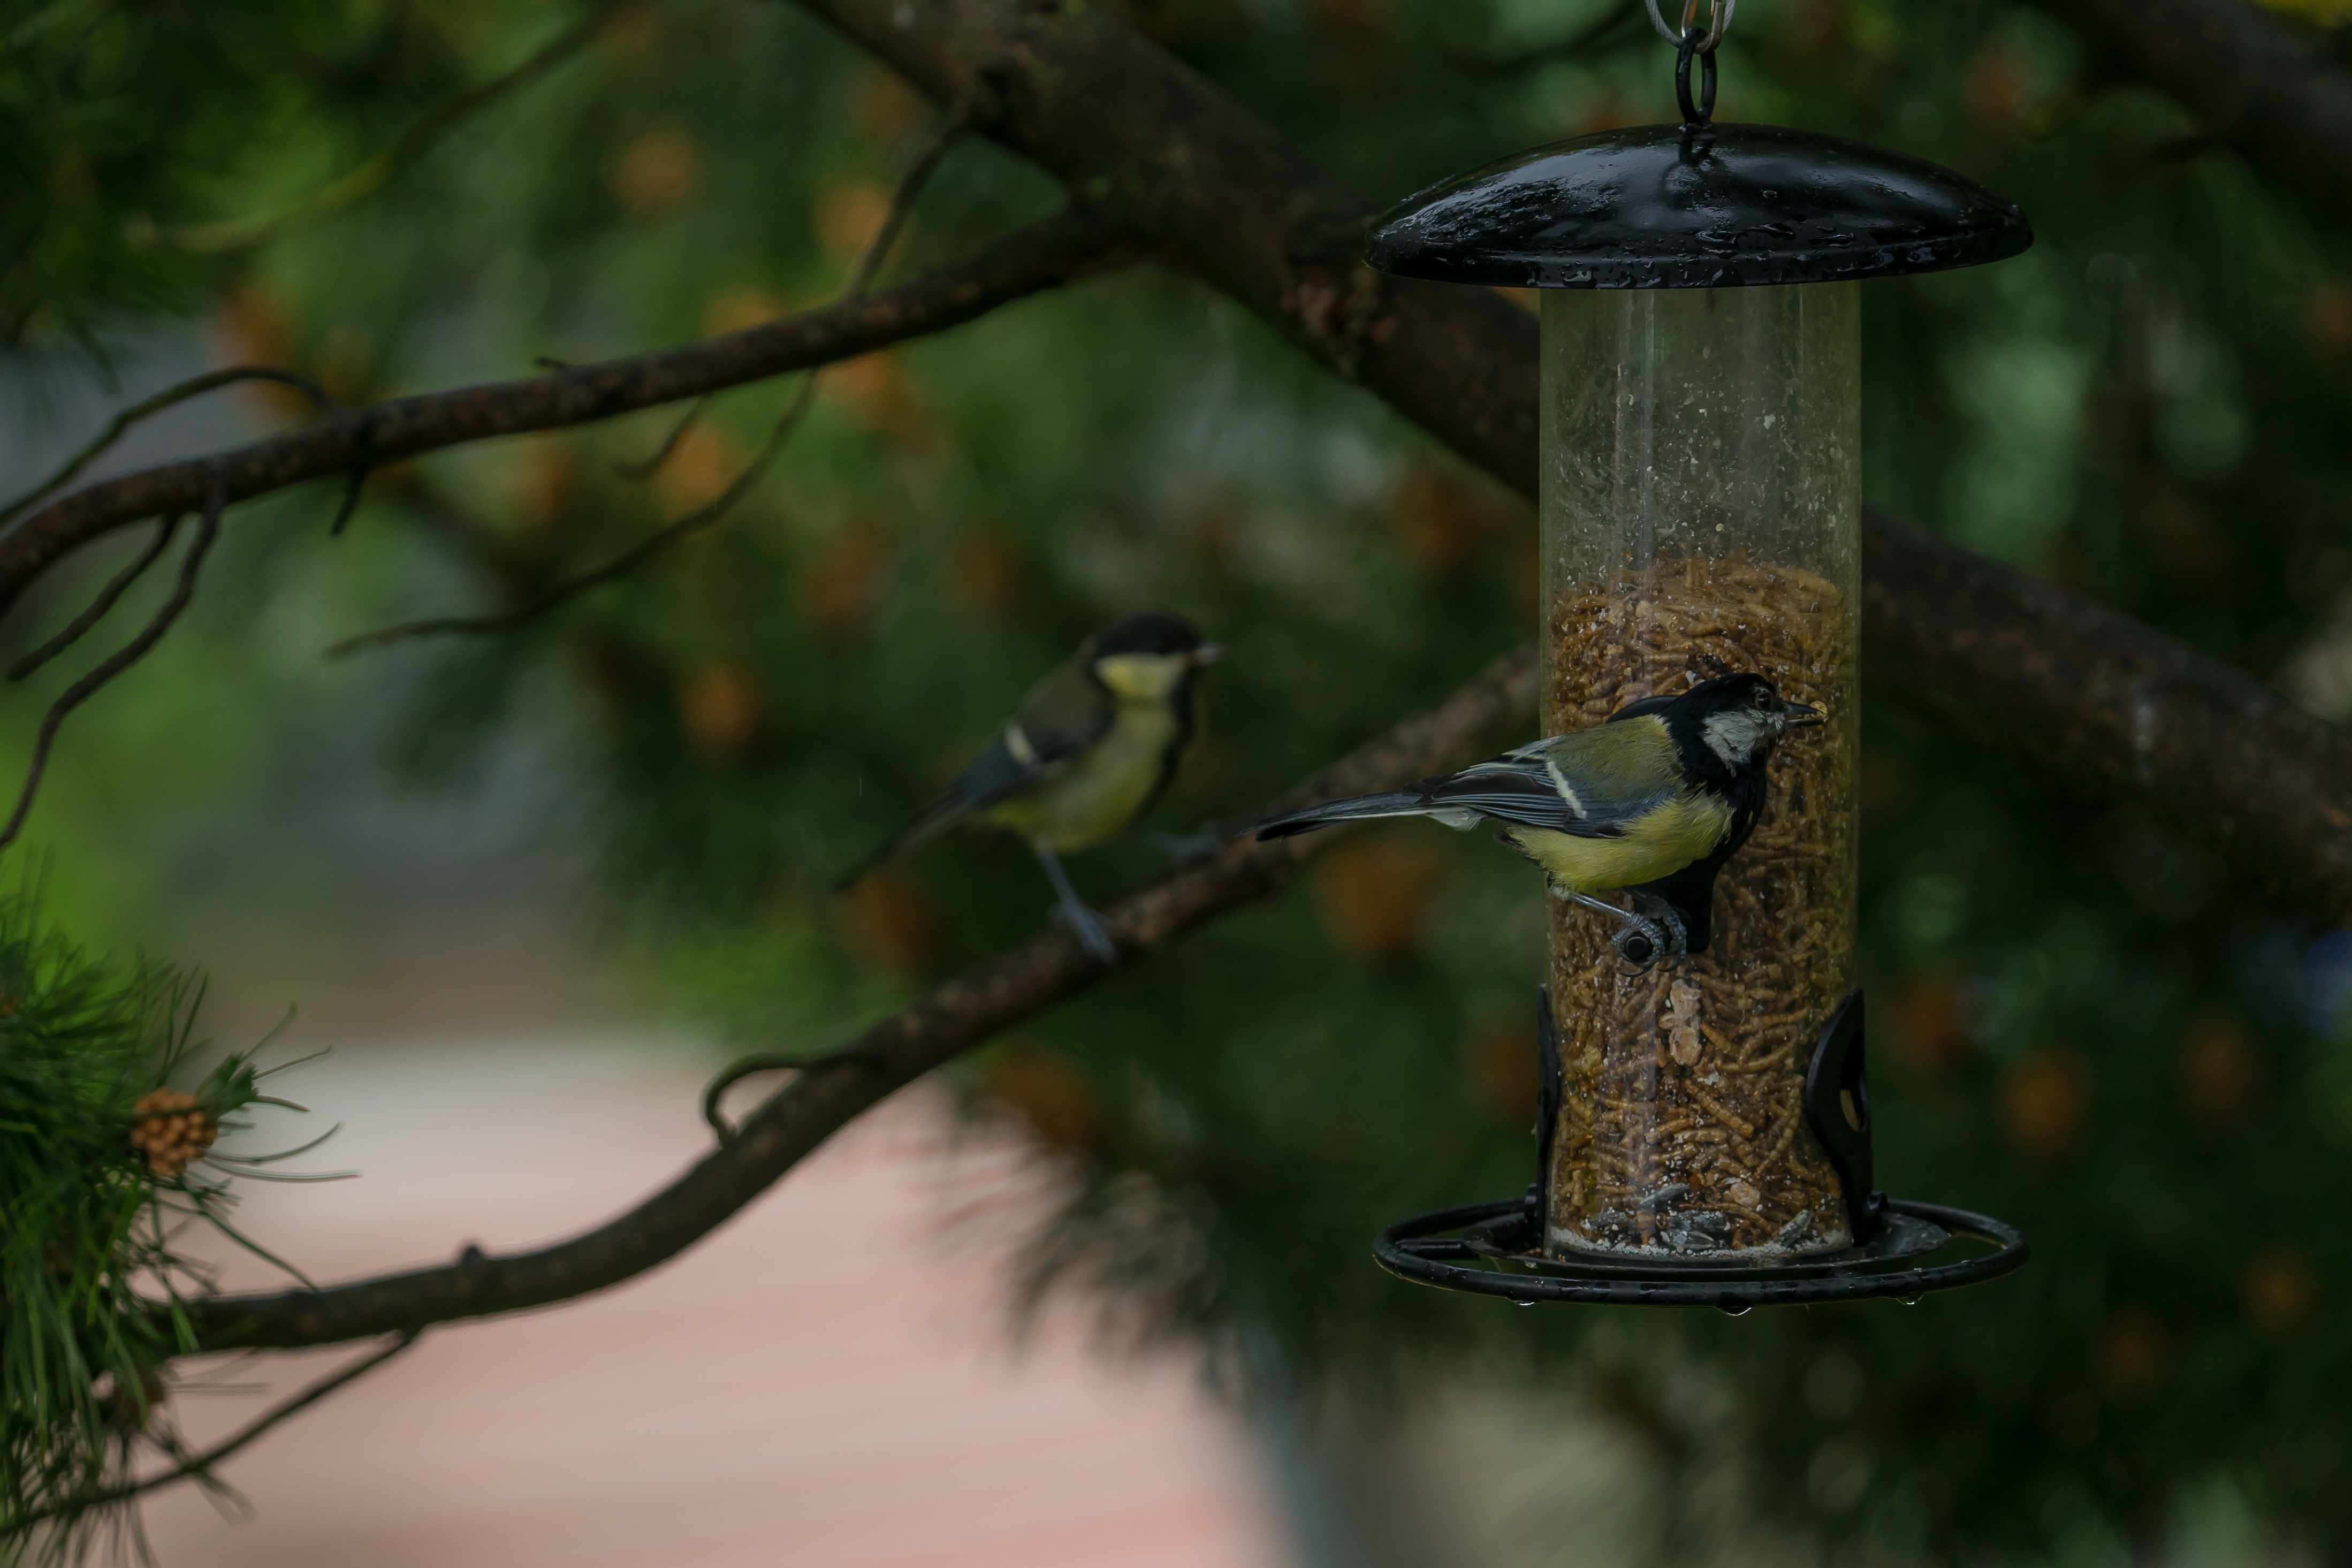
{"x": 1570, "y": 895}
{"x": 1638, "y": 939}
{"x": 1091, "y": 933}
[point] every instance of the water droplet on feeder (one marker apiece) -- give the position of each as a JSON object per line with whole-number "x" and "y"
{"x": 1523, "y": 1303}
{"x": 1735, "y": 1309}
{"x": 1908, "y": 1300}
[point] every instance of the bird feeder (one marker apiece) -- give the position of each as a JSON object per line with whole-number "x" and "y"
{"x": 1705, "y": 1133}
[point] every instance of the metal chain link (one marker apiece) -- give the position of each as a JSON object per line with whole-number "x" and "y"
{"x": 1718, "y": 17}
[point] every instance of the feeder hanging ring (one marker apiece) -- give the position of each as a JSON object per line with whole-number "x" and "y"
{"x": 1718, "y": 17}
{"x": 1695, "y": 115}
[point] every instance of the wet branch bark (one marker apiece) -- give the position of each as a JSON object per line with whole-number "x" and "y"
{"x": 1042, "y": 256}
{"x": 1993, "y": 653}
{"x": 793, "y": 1121}
{"x": 2268, "y": 88}
{"x": 1175, "y": 168}
{"x": 2094, "y": 703}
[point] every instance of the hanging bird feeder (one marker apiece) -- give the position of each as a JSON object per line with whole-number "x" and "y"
{"x": 1705, "y": 1131}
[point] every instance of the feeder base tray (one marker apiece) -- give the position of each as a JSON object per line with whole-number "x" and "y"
{"x": 1494, "y": 1249}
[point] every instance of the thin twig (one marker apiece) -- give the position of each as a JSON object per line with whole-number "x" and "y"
{"x": 1038, "y": 256}
{"x": 123, "y": 659}
{"x": 902, "y": 203}
{"x": 408, "y": 147}
{"x": 714, "y": 1112}
{"x": 225, "y": 1449}
{"x": 357, "y": 479}
{"x": 612, "y": 570}
{"x": 1583, "y": 39}
{"x": 194, "y": 387}
{"x": 80, "y": 624}
{"x": 645, "y": 468}
{"x": 2255, "y": 79}
{"x": 878, "y": 250}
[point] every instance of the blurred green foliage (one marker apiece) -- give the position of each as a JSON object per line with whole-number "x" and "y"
{"x": 103, "y": 1172}
{"x": 2084, "y": 1027}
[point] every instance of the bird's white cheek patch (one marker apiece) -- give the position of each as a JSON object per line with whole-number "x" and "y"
{"x": 1141, "y": 677}
{"x": 1731, "y": 736}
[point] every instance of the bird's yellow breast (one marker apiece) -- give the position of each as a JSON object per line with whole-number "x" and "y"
{"x": 1099, "y": 792}
{"x": 1656, "y": 845}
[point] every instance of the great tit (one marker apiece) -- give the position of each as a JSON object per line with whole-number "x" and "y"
{"x": 1654, "y": 800}
{"x": 1089, "y": 749}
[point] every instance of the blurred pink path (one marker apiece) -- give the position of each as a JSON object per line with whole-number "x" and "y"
{"x": 825, "y": 1382}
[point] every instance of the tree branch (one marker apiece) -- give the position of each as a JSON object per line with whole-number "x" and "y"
{"x": 122, "y": 659}
{"x": 1042, "y": 256}
{"x": 559, "y": 594}
{"x": 2105, "y": 708}
{"x": 952, "y": 1019}
{"x": 2267, "y": 88}
{"x": 147, "y": 407}
{"x": 80, "y": 627}
{"x": 1170, "y": 157}
{"x": 861, "y": 282}
{"x": 227, "y": 1447}
{"x": 1585, "y": 43}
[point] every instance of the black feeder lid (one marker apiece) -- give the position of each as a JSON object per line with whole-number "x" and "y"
{"x": 1695, "y": 206}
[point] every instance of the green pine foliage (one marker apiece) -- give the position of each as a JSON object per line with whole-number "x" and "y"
{"x": 93, "y": 1272}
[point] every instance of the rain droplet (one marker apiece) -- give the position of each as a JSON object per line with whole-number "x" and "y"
{"x": 1523, "y": 1303}
{"x": 1735, "y": 1309}
{"x": 1908, "y": 1300}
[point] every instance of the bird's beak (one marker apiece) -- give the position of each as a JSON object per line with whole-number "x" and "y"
{"x": 1208, "y": 653}
{"x": 1799, "y": 714}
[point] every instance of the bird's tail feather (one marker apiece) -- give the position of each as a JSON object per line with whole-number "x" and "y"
{"x": 867, "y": 861}
{"x": 931, "y": 821}
{"x": 1396, "y": 803}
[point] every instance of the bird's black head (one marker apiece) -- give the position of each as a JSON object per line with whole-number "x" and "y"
{"x": 1150, "y": 658}
{"x": 1150, "y": 631}
{"x": 1728, "y": 724}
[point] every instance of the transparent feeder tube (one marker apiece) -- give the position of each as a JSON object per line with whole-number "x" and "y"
{"x": 1701, "y": 515}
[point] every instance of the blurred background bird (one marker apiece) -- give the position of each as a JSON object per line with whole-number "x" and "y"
{"x": 1086, "y": 752}
{"x": 1655, "y": 800}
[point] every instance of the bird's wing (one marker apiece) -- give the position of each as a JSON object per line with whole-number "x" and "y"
{"x": 1062, "y": 715}
{"x": 1592, "y": 782}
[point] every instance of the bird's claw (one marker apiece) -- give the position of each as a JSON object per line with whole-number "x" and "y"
{"x": 1643, "y": 939}
{"x": 1088, "y": 928}
{"x": 1640, "y": 942}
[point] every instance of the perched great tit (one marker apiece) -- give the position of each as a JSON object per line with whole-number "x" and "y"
{"x": 1089, "y": 749}
{"x": 1654, "y": 800}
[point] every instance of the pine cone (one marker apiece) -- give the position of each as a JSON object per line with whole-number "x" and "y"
{"x": 133, "y": 1409}
{"x": 172, "y": 1129}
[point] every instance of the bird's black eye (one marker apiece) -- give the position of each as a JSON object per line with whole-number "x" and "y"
{"x": 1763, "y": 697}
